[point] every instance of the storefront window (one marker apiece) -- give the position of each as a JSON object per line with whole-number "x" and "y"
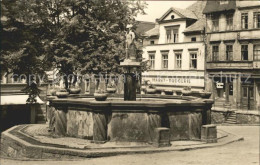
{"x": 231, "y": 89}
{"x": 251, "y": 92}
{"x": 245, "y": 92}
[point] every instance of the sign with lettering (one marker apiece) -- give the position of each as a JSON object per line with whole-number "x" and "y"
{"x": 176, "y": 81}
{"x": 220, "y": 85}
{"x": 172, "y": 80}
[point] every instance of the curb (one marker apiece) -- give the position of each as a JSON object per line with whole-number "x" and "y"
{"x": 28, "y": 151}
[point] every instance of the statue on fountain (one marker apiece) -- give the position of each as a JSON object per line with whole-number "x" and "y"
{"x": 130, "y": 44}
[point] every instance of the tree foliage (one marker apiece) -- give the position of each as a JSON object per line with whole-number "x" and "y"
{"x": 91, "y": 34}
{"x": 72, "y": 34}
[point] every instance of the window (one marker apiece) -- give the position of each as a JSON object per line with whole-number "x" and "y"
{"x": 244, "y": 91}
{"x": 229, "y": 19}
{"x": 244, "y": 18}
{"x": 175, "y": 36}
{"x": 172, "y": 35}
{"x": 215, "y": 53}
{"x": 215, "y": 22}
{"x": 257, "y": 52}
{"x": 251, "y": 92}
{"x": 229, "y": 52}
{"x": 165, "y": 61}
{"x": 151, "y": 42}
{"x": 152, "y": 60}
{"x": 244, "y": 52}
{"x": 257, "y": 20}
{"x": 178, "y": 60}
{"x": 168, "y": 36}
{"x": 231, "y": 89}
{"x": 193, "y": 60}
{"x": 193, "y": 39}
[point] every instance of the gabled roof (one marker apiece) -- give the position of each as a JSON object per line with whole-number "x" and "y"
{"x": 197, "y": 9}
{"x": 152, "y": 32}
{"x": 183, "y": 13}
{"x": 216, "y": 6}
{"x": 197, "y": 26}
{"x": 142, "y": 27}
{"x": 194, "y": 11}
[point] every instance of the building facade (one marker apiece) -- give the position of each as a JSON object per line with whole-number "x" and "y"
{"x": 233, "y": 52}
{"x": 175, "y": 49}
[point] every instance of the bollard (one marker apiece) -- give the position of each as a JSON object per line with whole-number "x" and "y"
{"x": 161, "y": 137}
{"x": 209, "y": 133}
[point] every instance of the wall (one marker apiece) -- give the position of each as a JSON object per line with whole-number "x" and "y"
{"x": 177, "y": 46}
{"x": 147, "y": 41}
{"x": 162, "y": 31}
{"x": 247, "y": 117}
{"x": 196, "y": 76}
{"x": 17, "y": 87}
{"x": 187, "y": 38}
{"x": 217, "y": 117}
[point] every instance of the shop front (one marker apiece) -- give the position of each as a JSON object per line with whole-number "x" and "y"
{"x": 240, "y": 91}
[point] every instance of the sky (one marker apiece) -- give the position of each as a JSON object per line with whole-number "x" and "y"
{"x": 155, "y": 9}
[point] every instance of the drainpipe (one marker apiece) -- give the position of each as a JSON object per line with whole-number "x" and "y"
{"x": 205, "y": 57}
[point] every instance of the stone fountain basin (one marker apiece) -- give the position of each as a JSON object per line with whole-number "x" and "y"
{"x": 130, "y": 121}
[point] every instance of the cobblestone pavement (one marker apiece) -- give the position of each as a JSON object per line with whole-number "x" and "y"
{"x": 239, "y": 153}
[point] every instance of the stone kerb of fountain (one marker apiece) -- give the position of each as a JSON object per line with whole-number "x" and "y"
{"x": 130, "y": 121}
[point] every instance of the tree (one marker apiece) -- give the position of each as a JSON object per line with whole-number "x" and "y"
{"x": 23, "y": 33}
{"x": 85, "y": 34}
{"x": 91, "y": 35}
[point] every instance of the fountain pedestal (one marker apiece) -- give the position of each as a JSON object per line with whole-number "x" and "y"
{"x": 130, "y": 72}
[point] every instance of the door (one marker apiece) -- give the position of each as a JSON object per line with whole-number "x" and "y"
{"x": 248, "y": 97}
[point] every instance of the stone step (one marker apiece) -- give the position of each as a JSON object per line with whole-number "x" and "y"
{"x": 231, "y": 119}
{"x": 230, "y": 123}
{"x": 234, "y": 118}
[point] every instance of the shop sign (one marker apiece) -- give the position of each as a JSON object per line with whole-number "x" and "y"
{"x": 220, "y": 85}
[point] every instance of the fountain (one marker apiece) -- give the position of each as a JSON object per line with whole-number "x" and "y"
{"x": 129, "y": 119}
